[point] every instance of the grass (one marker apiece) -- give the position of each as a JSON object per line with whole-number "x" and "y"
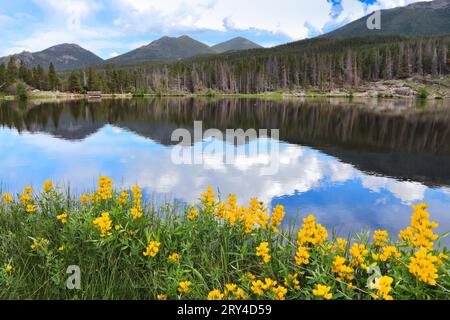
{"x": 129, "y": 249}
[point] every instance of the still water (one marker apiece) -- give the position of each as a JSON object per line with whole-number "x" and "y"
{"x": 353, "y": 164}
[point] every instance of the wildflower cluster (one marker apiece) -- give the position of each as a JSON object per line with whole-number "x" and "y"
{"x": 104, "y": 224}
{"x": 252, "y": 217}
{"x": 217, "y": 250}
{"x": 310, "y": 234}
{"x": 323, "y": 291}
{"x": 152, "y": 249}
{"x": 136, "y": 209}
{"x": 263, "y": 251}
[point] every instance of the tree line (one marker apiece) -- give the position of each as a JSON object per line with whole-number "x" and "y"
{"x": 318, "y": 63}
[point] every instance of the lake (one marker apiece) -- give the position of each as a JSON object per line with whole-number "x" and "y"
{"x": 354, "y": 164}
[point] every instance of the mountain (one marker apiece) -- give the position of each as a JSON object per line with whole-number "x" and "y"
{"x": 235, "y": 44}
{"x": 417, "y": 19}
{"x": 64, "y": 56}
{"x": 164, "y": 49}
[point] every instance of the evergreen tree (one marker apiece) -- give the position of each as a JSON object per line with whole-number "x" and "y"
{"x": 53, "y": 80}
{"x": 74, "y": 83}
{"x": 24, "y": 73}
{"x": 93, "y": 82}
{"x": 11, "y": 71}
{"x": 2, "y": 77}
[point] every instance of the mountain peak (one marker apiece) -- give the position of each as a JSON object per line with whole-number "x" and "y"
{"x": 164, "y": 49}
{"x": 64, "y": 56}
{"x": 236, "y": 44}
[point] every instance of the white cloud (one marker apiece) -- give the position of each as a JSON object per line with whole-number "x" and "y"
{"x": 77, "y": 20}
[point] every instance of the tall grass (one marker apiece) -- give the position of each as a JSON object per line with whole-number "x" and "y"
{"x": 127, "y": 249}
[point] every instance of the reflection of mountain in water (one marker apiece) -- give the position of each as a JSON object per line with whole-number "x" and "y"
{"x": 393, "y": 138}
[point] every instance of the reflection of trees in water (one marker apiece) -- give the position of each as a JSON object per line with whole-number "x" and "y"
{"x": 385, "y": 125}
{"x": 388, "y": 137}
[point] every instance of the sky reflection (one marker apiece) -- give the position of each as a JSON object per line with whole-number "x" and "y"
{"x": 308, "y": 181}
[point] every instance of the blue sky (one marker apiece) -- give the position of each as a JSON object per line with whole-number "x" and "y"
{"x": 109, "y": 28}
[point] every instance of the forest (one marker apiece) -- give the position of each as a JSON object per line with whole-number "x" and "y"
{"x": 315, "y": 63}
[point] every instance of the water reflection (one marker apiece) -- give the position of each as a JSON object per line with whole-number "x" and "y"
{"x": 354, "y": 165}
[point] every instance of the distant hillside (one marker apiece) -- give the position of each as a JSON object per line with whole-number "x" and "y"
{"x": 418, "y": 19}
{"x": 235, "y": 44}
{"x": 63, "y": 56}
{"x": 164, "y": 49}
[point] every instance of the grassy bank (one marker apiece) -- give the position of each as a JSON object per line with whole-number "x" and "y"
{"x": 127, "y": 249}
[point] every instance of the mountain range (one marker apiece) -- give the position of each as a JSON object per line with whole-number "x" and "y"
{"x": 71, "y": 56}
{"x": 173, "y": 49}
{"x": 419, "y": 19}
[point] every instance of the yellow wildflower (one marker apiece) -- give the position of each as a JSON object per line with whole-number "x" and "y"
{"x": 380, "y": 237}
{"x": 105, "y": 188}
{"x": 240, "y": 294}
{"x": 31, "y": 208}
{"x": 389, "y": 252}
{"x": 63, "y": 218}
{"x": 311, "y": 233}
{"x": 257, "y": 288}
{"x": 174, "y": 258}
{"x": 9, "y": 268}
{"x": 123, "y": 199}
{"x": 292, "y": 281}
{"x": 280, "y": 292}
{"x": 257, "y": 213}
{"x": 359, "y": 254}
{"x": 104, "y": 224}
{"x": 137, "y": 211}
{"x": 161, "y": 297}
{"x": 269, "y": 284}
{"x": 322, "y": 291}
{"x": 48, "y": 186}
{"x": 302, "y": 256}
{"x": 184, "y": 287}
{"x": 422, "y": 265}
{"x": 230, "y": 287}
{"x": 61, "y": 248}
{"x": 385, "y": 288}
{"x": 208, "y": 198}
{"x": 84, "y": 199}
{"x": 263, "y": 251}
{"x": 215, "y": 295}
{"x": 277, "y": 218}
{"x": 420, "y": 233}
{"x": 152, "y": 249}
{"x": 344, "y": 272}
{"x": 42, "y": 242}
{"x": 7, "y": 198}
{"x": 193, "y": 214}
{"x": 26, "y": 196}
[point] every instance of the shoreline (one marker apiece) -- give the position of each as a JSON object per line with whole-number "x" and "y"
{"x": 411, "y": 89}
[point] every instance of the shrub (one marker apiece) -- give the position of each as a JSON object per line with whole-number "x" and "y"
{"x": 423, "y": 93}
{"x": 22, "y": 92}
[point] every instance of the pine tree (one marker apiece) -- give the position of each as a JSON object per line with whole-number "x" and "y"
{"x": 11, "y": 71}
{"x": 2, "y": 76}
{"x": 93, "y": 82}
{"x": 74, "y": 83}
{"x": 53, "y": 80}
